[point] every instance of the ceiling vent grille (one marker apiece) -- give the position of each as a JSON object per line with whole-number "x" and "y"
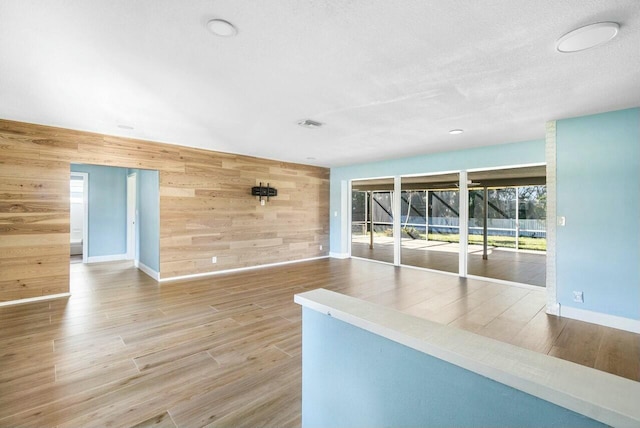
{"x": 308, "y": 123}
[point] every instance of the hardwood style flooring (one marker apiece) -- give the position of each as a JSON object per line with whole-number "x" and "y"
{"x": 524, "y": 267}
{"x": 225, "y": 350}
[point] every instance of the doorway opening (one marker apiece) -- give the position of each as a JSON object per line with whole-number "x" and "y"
{"x": 122, "y": 215}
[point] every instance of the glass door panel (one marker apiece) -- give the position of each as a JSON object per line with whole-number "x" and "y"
{"x": 372, "y": 219}
{"x": 430, "y": 222}
{"x": 507, "y": 231}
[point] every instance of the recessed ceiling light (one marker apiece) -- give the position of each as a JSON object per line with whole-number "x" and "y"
{"x": 587, "y": 37}
{"x": 311, "y": 158}
{"x": 308, "y": 123}
{"x": 127, "y": 127}
{"x": 456, "y": 131}
{"x": 222, "y": 28}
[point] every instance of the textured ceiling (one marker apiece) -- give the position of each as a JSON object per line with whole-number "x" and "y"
{"x": 389, "y": 79}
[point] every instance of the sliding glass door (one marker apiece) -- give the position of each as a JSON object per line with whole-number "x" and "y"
{"x": 504, "y": 227}
{"x": 430, "y": 222}
{"x": 507, "y": 225}
{"x": 372, "y": 220}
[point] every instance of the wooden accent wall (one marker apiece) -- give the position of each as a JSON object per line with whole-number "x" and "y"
{"x": 206, "y": 208}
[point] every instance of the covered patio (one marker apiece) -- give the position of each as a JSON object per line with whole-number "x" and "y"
{"x": 504, "y": 222}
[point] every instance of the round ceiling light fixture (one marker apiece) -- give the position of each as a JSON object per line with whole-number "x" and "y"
{"x": 586, "y": 37}
{"x": 456, "y": 131}
{"x": 222, "y": 28}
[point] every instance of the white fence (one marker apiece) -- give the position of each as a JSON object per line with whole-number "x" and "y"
{"x": 529, "y": 227}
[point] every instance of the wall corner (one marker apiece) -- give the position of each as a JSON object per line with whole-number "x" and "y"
{"x": 550, "y": 157}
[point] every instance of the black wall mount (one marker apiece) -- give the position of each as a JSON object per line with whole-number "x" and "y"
{"x": 264, "y": 192}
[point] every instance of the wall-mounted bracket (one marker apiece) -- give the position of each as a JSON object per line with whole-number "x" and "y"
{"x": 264, "y": 192}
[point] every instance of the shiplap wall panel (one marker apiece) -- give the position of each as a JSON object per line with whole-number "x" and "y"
{"x": 206, "y": 208}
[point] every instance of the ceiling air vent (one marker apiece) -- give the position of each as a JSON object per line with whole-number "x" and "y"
{"x": 308, "y": 123}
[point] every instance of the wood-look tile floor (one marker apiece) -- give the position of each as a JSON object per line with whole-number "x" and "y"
{"x": 225, "y": 350}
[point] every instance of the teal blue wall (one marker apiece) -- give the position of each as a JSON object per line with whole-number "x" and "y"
{"x": 149, "y": 218}
{"x": 353, "y": 378}
{"x": 107, "y": 209}
{"x": 598, "y": 176}
{"x": 485, "y": 157}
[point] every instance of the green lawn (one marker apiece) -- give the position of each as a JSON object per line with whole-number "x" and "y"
{"x": 525, "y": 243}
{"x": 538, "y": 244}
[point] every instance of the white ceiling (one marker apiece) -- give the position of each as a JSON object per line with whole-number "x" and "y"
{"x": 388, "y": 78}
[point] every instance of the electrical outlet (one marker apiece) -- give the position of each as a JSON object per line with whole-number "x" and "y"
{"x": 562, "y": 221}
{"x": 320, "y": 247}
{"x": 578, "y": 296}
{"x": 214, "y": 259}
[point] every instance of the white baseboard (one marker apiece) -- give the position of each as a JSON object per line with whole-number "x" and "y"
{"x": 339, "y": 255}
{"x": 219, "y": 272}
{"x": 35, "y": 299}
{"x": 146, "y": 269}
{"x": 109, "y": 258}
{"x": 613, "y": 321}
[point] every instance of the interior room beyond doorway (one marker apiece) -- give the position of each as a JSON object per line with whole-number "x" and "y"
{"x": 122, "y": 215}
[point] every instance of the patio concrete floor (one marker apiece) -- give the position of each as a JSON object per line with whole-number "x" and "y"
{"x": 523, "y": 266}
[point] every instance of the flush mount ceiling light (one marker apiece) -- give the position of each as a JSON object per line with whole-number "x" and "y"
{"x": 456, "y": 131}
{"x": 308, "y": 123}
{"x": 586, "y": 37}
{"x": 222, "y": 28}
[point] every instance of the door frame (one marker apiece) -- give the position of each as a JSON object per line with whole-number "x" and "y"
{"x": 85, "y": 213}
{"x": 132, "y": 209}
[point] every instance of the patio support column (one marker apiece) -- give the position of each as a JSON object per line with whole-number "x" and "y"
{"x": 463, "y": 225}
{"x": 370, "y": 219}
{"x": 426, "y": 215}
{"x": 517, "y": 218}
{"x": 396, "y": 210}
{"x": 485, "y": 211}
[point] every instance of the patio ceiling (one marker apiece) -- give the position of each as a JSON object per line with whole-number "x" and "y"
{"x": 508, "y": 177}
